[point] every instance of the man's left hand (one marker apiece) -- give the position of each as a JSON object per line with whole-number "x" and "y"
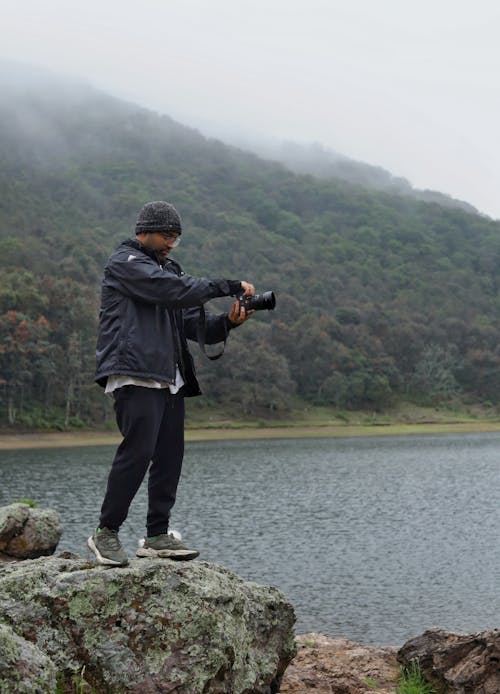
{"x": 237, "y": 316}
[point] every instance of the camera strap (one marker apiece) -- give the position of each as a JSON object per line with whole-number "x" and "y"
{"x": 201, "y": 333}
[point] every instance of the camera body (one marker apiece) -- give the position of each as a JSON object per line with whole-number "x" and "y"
{"x": 259, "y": 302}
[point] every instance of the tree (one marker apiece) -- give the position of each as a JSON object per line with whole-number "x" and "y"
{"x": 433, "y": 380}
{"x": 23, "y": 345}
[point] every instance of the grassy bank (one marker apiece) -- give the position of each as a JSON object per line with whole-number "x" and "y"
{"x": 313, "y": 422}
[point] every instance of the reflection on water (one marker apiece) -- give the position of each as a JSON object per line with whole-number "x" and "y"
{"x": 375, "y": 539}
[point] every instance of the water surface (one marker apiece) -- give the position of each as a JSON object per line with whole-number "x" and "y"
{"x": 375, "y": 539}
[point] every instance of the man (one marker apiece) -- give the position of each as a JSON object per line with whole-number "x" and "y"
{"x": 149, "y": 308}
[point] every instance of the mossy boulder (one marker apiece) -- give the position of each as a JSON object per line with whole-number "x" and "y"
{"x": 23, "y": 667}
{"x": 153, "y": 626}
{"x": 28, "y": 532}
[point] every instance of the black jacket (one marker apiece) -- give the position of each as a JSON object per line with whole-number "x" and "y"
{"x": 147, "y": 314}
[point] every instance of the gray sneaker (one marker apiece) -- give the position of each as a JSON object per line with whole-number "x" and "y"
{"x": 166, "y": 546}
{"x": 107, "y": 547}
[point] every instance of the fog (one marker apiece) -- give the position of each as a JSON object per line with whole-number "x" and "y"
{"x": 412, "y": 88}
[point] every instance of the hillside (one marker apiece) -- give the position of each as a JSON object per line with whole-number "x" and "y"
{"x": 323, "y": 162}
{"x": 380, "y": 297}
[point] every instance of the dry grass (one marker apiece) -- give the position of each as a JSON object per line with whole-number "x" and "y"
{"x": 63, "y": 439}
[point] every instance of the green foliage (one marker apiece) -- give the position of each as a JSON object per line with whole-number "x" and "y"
{"x": 29, "y": 502}
{"x": 412, "y": 681}
{"x": 310, "y": 644}
{"x": 76, "y": 684}
{"x": 379, "y": 296}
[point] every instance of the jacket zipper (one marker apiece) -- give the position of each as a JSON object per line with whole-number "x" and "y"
{"x": 158, "y": 309}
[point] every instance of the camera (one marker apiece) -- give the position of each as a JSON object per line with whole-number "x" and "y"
{"x": 259, "y": 302}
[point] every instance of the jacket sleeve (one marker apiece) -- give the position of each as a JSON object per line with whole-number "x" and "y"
{"x": 217, "y": 325}
{"x": 138, "y": 277}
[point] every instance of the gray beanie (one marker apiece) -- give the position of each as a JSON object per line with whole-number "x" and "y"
{"x": 158, "y": 216}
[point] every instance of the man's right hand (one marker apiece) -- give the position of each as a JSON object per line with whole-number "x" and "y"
{"x": 247, "y": 288}
{"x": 237, "y": 314}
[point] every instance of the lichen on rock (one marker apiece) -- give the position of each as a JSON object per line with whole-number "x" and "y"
{"x": 27, "y": 532}
{"x": 155, "y": 625}
{"x": 23, "y": 667}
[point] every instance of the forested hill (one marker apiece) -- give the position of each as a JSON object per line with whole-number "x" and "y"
{"x": 320, "y": 161}
{"x": 380, "y": 297}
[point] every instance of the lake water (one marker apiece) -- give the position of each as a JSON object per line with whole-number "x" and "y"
{"x": 372, "y": 538}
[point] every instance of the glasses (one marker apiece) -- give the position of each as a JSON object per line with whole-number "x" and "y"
{"x": 174, "y": 238}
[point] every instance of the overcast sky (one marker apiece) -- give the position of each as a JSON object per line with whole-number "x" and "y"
{"x": 413, "y": 87}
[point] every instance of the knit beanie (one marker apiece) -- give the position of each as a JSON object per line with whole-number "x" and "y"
{"x": 158, "y": 216}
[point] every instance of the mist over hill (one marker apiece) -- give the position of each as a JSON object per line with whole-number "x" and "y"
{"x": 323, "y": 162}
{"x": 380, "y": 296}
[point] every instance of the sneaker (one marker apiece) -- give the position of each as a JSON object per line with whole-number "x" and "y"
{"x": 166, "y": 546}
{"x": 175, "y": 533}
{"x": 107, "y": 547}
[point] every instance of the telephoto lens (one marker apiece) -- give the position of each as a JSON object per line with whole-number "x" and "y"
{"x": 261, "y": 302}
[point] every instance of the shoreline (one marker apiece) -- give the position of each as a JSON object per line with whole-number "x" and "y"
{"x": 93, "y": 438}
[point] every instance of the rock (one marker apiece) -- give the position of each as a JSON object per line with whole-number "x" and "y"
{"x": 153, "y": 626}
{"x": 27, "y": 533}
{"x": 464, "y": 663}
{"x": 23, "y": 667}
{"x": 12, "y": 520}
{"x": 326, "y": 665}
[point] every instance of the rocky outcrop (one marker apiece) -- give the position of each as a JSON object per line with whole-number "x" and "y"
{"x": 326, "y": 665}
{"x": 153, "y": 626}
{"x": 452, "y": 663}
{"x": 23, "y": 666}
{"x": 188, "y": 628}
{"x": 461, "y": 663}
{"x": 27, "y": 532}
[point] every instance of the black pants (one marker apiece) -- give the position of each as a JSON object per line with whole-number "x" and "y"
{"x": 152, "y": 425}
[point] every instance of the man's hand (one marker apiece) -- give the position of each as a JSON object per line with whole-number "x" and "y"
{"x": 247, "y": 288}
{"x": 237, "y": 316}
